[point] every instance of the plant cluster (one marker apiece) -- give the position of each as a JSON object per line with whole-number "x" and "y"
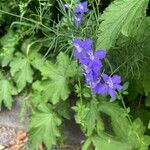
{"x": 48, "y": 58}
{"x": 92, "y": 65}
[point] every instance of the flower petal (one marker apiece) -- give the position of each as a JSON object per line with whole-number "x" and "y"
{"x": 87, "y": 69}
{"x": 78, "y": 19}
{"x": 100, "y": 54}
{"x": 81, "y": 7}
{"x": 112, "y": 92}
{"x": 94, "y": 87}
{"x": 96, "y": 65}
{"x": 77, "y": 42}
{"x": 116, "y": 79}
{"x": 84, "y": 6}
{"x": 87, "y": 45}
{"x": 102, "y": 89}
{"x": 118, "y": 87}
{"x": 105, "y": 77}
{"x": 84, "y": 60}
{"x": 75, "y": 53}
{"x": 78, "y": 10}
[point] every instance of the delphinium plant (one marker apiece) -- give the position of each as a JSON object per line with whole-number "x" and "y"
{"x": 92, "y": 60}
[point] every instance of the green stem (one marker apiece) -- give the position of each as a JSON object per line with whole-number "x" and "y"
{"x": 129, "y": 118}
{"x": 121, "y": 65}
{"x": 124, "y": 106}
{"x": 97, "y": 5}
{"x": 80, "y": 90}
{"x": 107, "y": 61}
{"x": 95, "y": 12}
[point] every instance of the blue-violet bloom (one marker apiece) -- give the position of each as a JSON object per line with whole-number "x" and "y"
{"x": 111, "y": 85}
{"x": 93, "y": 60}
{"x": 79, "y": 12}
{"x": 82, "y": 47}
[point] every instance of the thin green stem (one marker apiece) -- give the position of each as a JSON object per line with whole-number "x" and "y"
{"x": 40, "y": 12}
{"x": 124, "y": 106}
{"x": 81, "y": 100}
{"x": 97, "y": 5}
{"x": 107, "y": 61}
{"x": 129, "y": 118}
{"x": 121, "y": 65}
{"x": 95, "y": 12}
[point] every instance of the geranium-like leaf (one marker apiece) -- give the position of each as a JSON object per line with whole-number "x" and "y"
{"x": 106, "y": 142}
{"x": 88, "y": 117}
{"x": 44, "y": 127}
{"x": 8, "y": 42}
{"x": 7, "y": 90}
{"x": 56, "y": 78}
{"x": 21, "y": 71}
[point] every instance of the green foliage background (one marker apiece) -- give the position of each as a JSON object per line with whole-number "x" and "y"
{"x": 36, "y": 62}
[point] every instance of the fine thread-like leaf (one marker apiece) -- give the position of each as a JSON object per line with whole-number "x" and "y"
{"x": 122, "y": 16}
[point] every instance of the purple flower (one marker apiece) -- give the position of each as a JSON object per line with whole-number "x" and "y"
{"x": 92, "y": 66}
{"x": 111, "y": 85}
{"x": 81, "y": 47}
{"x": 79, "y": 12}
{"x": 102, "y": 89}
{"x": 94, "y": 86}
{"x": 81, "y": 7}
{"x": 90, "y": 76}
{"x": 93, "y": 60}
{"x": 90, "y": 60}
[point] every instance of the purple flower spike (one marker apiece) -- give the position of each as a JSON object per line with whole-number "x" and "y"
{"x": 112, "y": 83}
{"x": 79, "y": 12}
{"x": 91, "y": 62}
